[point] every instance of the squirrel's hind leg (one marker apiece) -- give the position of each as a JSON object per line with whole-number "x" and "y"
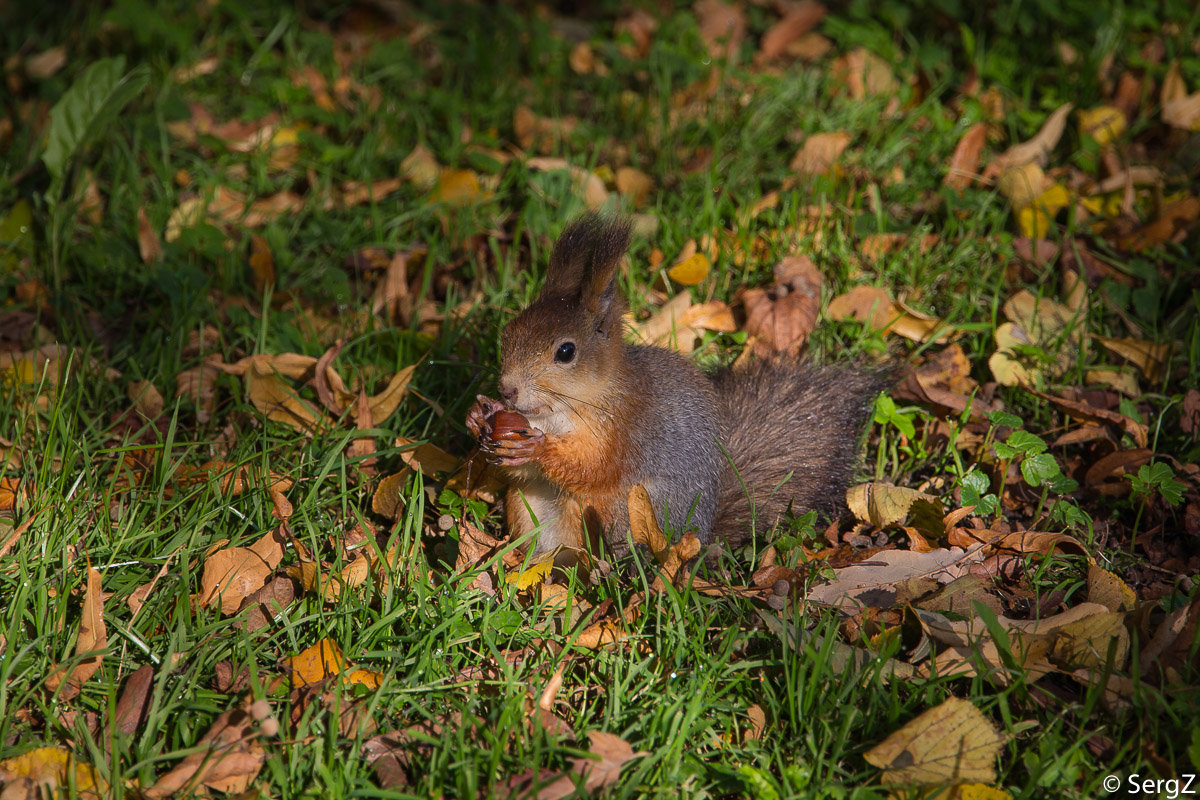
{"x": 539, "y": 505}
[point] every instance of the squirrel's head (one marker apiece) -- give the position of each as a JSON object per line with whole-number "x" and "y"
{"x": 560, "y": 352}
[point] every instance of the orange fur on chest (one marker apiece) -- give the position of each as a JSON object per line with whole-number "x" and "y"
{"x": 590, "y": 461}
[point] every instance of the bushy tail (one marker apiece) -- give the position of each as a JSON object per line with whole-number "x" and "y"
{"x": 792, "y": 432}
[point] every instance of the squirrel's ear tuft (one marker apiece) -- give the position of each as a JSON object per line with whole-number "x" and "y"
{"x": 585, "y": 258}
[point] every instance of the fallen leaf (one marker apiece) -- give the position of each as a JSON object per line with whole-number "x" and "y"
{"x": 691, "y": 270}
{"x": 1089, "y": 413}
{"x": 799, "y": 19}
{"x": 1172, "y": 224}
{"x": 875, "y": 583}
{"x": 1183, "y": 112}
{"x": 45, "y": 770}
{"x": 420, "y": 167}
{"x": 1104, "y": 124}
{"x": 232, "y": 574}
{"x": 149, "y": 247}
{"x": 1109, "y": 590}
{"x": 134, "y": 702}
{"x": 1149, "y": 357}
{"x": 93, "y": 636}
{"x": 146, "y": 399}
{"x": 229, "y": 761}
{"x": 865, "y": 74}
{"x": 963, "y": 167}
{"x": 950, "y": 743}
{"x": 46, "y": 63}
{"x": 1037, "y": 149}
{"x": 635, "y": 185}
{"x": 883, "y": 504}
{"x": 608, "y": 753}
{"x": 819, "y": 153}
{"x": 457, "y": 187}
{"x": 870, "y": 305}
{"x": 722, "y": 27}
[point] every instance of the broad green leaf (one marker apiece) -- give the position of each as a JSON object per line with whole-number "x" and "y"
{"x": 95, "y": 98}
{"x": 1038, "y": 469}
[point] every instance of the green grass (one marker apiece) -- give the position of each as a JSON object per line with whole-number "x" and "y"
{"x": 681, "y": 686}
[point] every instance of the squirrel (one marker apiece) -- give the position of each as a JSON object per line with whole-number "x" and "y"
{"x": 585, "y": 417}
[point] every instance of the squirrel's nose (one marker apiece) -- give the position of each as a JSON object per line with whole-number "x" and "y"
{"x": 508, "y": 392}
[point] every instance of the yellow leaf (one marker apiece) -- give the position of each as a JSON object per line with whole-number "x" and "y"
{"x": 367, "y": 677}
{"x": 1022, "y": 184}
{"x": 691, "y": 270}
{"x": 1103, "y": 205}
{"x": 1109, "y": 590}
{"x": 949, "y": 743}
{"x": 322, "y": 660}
{"x": 1103, "y": 123}
{"x": 883, "y": 504}
{"x": 535, "y": 573}
{"x": 457, "y": 187}
{"x": 52, "y": 768}
{"x": 1034, "y": 222}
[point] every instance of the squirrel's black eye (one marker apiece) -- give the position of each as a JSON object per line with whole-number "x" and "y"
{"x": 565, "y": 353}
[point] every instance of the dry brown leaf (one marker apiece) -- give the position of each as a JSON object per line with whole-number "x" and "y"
{"x": 950, "y": 743}
{"x": 1090, "y": 642}
{"x": 234, "y": 573}
{"x": 544, "y": 134}
{"x": 1023, "y": 184}
{"x": 1040, "y": 542}
{"x": 134, "y": 702}
{"x": 1171, "y": 225}
{"x": 1089, "y": 413}
{"x": 138, "y": 597}
{"x": 722, "y": 27}
{"x": 1117, "y": 465}
{"x": 46, "y": 63}
{"x": 229, "y": 763}
{"x": 1149, "y": 357}
{"x": 870, "y": 305}
{"x": 666, "y": 326}
{"x": 634, "y": 185}
{"x": 799, "y": 19}
{"x": 1037, "y": 149}
{"x": 640, "y": 25}
{"x": 262, "y": 265}
{"x": 874, "y": 583}
{"x": 865, "y": 74}
{"x": 146, "y": 399}
{"x": 819, "y": 153}
{"x": 149, "y": 247}
{"x": 603, "y": 769}
{"x": 783, "y": 317}
{"x": 588, "y": 183}
{"x": 420, "y": 167}
{"x": 93, "y": 636}
{"x": 964, "y": 164}
{"x": 1109, "y": 590}
{"x": 1183, "y": 112}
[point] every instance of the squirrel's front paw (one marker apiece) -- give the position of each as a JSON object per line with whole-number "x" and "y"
{"x": 515, "y": 447}
{"x": 478, "y": 418}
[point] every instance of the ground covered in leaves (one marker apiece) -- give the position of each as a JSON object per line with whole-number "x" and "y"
{"x": 254, "y": 261}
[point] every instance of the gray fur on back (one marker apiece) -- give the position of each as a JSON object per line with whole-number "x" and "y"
{"x": 791, "y": 431}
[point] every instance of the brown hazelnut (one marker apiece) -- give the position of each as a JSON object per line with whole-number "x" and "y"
{"x": 508, "y": 425}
